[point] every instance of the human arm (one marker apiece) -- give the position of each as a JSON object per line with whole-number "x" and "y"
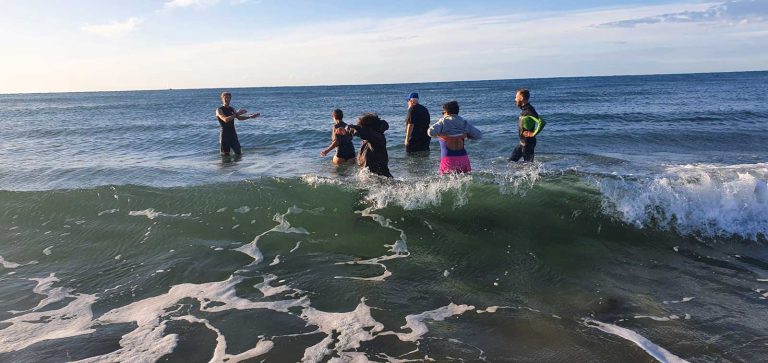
{"x": 225, "y": 119}
{"x": 436, "y": 129}
{"x": 408, "y": 132}
{"x": 241, "y": 117}
{"x": 367, "y": 134}
{"x": 333, "y": 145}
{"x": 538, "y": 125}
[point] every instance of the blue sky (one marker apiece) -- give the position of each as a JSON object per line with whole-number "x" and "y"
{"x": 143, "y": 44}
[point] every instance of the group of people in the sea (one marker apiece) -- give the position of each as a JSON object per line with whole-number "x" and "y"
{"x": 451, "y": 131}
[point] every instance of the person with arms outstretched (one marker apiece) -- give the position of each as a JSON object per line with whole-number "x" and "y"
{"x": 226, "y": 116}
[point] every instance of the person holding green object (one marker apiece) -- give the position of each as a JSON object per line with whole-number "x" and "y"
{"x": 529, "y": 125}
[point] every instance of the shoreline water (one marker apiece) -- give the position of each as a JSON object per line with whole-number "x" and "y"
{"x": 639, "y": 234}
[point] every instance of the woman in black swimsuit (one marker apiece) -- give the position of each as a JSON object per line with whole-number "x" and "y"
{"x": 341, "y": 140}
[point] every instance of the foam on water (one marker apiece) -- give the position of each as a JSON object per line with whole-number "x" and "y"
{"x": 71, "y": 320}
{"x": 707, "y": 200}
{"x": 418, "y": 193}
{"x": 152, "y": 214}
{"x": 416, "y": 322}
{"x": 220, "y": 351}
{"x": 283, "y": 226}
{"x": 657, "y": 352}
{"x": 52, "y": 294}
{"x": 399, "y": 249}
{"x": 148, "y": 342}
{"x": 351, "y": 328}
{"x": 10, "y": 264}
{"x": 269, "y": 290}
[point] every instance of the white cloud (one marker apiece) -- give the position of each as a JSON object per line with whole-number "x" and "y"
{"x": 435, "y": 46}
{"x": 173, "y": 4}
{"x": 729, "y": 12}
{"x": 115, "y": 28}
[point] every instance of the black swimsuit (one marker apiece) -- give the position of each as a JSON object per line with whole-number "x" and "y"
{"x": 345, "y": 149}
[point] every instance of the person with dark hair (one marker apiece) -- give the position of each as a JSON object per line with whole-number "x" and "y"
{"x": 529, "y": 125}
{"x": 416, "y": 125}
{"x": 341, "y": 140}
{"x": 452, "y": 130}
{"x": 226, "y": 116}
{"x": 373, "y": 152}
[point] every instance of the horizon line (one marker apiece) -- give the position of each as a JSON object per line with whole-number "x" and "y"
{"x": 377, "y": 84}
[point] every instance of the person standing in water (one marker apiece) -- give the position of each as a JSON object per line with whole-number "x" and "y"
{"x": 529, "y": 125}
{"x": 416, "y": 125}
{"x": 373, "y": 152}
{"x": 452, "y": 130}
{"x": 341, "y": 140}
{"x": 226, "y": 115}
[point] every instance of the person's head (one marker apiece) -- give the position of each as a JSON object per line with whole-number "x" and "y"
{"x": 412, "y": 98}
{"x": 226, "y": 97}
{"x": 522, "y": 96}
{"x": 369, "y": 119}
{"x": 337, "y": 115}
{"x": 451, "y": 108}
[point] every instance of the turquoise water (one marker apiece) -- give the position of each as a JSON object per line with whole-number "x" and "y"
{"x": 639, "y": 234}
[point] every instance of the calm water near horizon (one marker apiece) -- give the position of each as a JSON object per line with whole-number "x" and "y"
{"x": 639, "y": 234}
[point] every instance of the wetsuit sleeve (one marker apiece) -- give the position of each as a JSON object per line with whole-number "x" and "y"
{"x": 539, "y": 125}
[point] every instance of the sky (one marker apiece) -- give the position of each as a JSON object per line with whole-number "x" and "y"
{"x": 96, "y": 45}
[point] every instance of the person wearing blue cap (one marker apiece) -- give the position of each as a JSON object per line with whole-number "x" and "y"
{"x": 416, "y": 125}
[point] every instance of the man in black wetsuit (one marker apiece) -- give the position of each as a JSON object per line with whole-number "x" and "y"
{"x": 416, "y": 125}
{"x": 529, "y": 125}
{"x": 226, "y": 115}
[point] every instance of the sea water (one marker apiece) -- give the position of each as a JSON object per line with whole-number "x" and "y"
{"x": 639, "y": 233}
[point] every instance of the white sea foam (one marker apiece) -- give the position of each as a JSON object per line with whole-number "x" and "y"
{"x": 269, "y": 290}
{"x": 417, "y": 194}
{"x": 295, "y": 247}
{"x": 147, "y": 341}
{"x": 352, "y": 328}
{"x": 520, "y": 179}
{"x": 220, "y": 352}
{"x": 283, "y": 226}
{"x": 47, "y": 251}
{"x": 683, "y": 300}
{"x": 658, "y": 318}
{"x": 152, "y": 214}
{"x": 397, "y": 250}
{"x": 71, "y": 320}
{"x": 416, "y": 322}
{"x": 275, "y": 261}
{"x": 242, "y": 210}
{"x": 657, "y": 352}
{"x": 52, "y": 294}
{"x": 10, "y": 264}
{"x": 708, "y": 200}
{"x": 108, "y": 211}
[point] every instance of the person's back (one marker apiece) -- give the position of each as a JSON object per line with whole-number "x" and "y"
{"x": 373, "y": 152}
{"x": 416, "y": 123}
{"x": 451, "y": 130}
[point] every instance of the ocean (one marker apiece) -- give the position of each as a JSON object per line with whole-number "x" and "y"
{"x": 640, "y": 233}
